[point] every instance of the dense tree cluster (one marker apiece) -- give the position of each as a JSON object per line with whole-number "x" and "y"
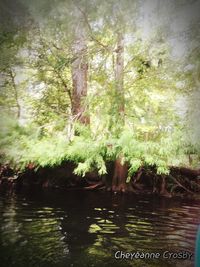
{"x": 80, "y": 82}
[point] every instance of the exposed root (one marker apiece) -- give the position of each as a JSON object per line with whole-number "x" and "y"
{"x": 138, "y": 175}
{"x": 146, "y": 180}
{"x": 94, "y": 186}
{"x": 163, "y": 190}
{"x": 178, "y": 184}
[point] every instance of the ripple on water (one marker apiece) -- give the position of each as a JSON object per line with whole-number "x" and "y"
{"x": 53, "y": 234}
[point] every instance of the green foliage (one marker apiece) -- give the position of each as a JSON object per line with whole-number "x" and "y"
{"x": 150, "y": 131}
{"x": 22, "y": 145}
{"x": 52, "y": 147}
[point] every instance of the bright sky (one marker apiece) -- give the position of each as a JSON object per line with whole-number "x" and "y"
{"x": 177, "y": 16}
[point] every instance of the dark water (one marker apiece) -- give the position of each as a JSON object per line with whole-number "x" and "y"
{"x": 86, "y": 229}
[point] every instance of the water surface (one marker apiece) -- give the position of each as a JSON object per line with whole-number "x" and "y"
{"x": 87, "y": 228}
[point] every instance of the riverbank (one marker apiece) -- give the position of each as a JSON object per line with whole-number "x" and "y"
{"x": 180, "y": 181}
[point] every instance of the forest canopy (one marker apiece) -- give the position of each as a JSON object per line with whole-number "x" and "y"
{"x": 99, "y": 81}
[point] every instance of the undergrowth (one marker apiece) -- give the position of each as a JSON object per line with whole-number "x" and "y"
{"x": 23, "y": 145}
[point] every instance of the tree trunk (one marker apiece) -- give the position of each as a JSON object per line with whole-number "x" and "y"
{"x": 12, "y": 76}
{"x": 120, "y": 169}
{"x": 79, "y": 72}
{"x": 119, "y": 177}
{"x": 119, "y": 74}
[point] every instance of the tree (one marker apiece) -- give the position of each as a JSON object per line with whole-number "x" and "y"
{"x": 79, "y": 69}
{"x": 97, "y": 76}
{"x": 10, "y": 45}
{"x": 121, "y": 168}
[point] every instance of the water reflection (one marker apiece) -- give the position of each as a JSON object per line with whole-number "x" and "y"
{"x": 25, "y": 236}
{"x": 86, "y": 229}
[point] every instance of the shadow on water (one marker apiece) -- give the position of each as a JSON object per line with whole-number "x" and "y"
{"x": 87, "y": 228}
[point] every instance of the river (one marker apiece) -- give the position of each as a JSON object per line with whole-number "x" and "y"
{"x": 40, "y": 229}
